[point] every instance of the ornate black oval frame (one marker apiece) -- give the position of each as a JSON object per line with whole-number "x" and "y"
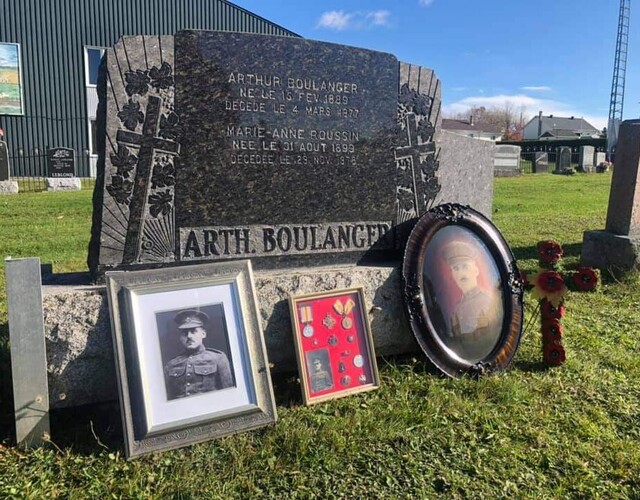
{"x": 413, "y": 290}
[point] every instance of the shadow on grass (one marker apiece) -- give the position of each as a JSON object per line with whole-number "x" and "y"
{"x": 88, "y": 429}
{"x": 530, "y": 366}
{"x": 7, "y": 429}
{"x": 531, "y": 252}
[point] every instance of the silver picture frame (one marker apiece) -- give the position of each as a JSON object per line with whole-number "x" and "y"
{"x": 190, "y": 355}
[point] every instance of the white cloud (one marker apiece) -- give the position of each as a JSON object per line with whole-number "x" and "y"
{"x": 529, "y": 105}
{"x": 536, "y": 88}
{"x": 379, "y": 17}
{"x": 340, "y": 20}
{"x": 425, "y": 3}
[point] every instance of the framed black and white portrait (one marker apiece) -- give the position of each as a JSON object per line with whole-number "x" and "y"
{"x": 463, "y": 292}
{"x": 190, "y": 355}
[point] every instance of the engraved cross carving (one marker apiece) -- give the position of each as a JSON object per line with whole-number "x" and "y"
{"x": 410, "y": 154}
{"x": 148, "y": 142}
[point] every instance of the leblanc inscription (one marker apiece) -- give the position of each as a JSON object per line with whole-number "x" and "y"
{"x": 61, "y": 162}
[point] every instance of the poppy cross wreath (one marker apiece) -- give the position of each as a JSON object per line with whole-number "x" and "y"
{"x": 550, "y": 286}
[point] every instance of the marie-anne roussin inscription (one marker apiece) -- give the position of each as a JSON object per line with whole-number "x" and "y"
{"x": 268, "y": 94}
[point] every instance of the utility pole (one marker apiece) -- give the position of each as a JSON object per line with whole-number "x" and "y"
{"x": 617, "y": 84}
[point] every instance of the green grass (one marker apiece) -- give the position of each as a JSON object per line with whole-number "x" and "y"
{"x": 570, "y": 432}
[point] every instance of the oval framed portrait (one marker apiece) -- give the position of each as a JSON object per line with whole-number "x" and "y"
{"x": 463, "y": 292}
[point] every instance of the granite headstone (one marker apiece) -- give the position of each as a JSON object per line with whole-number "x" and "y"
{"x": 541, "y": 162}
{"x": 616, "y": 249}
{"x": 587, "y": 154}
{"x": 563, "y": 161}
{"x": 226, "y": 145}
{"x": 7, "y": 186}
{"x": 4, "y": 161}
{"x": 507, "y": 160}
{"x": 61, "y": 162}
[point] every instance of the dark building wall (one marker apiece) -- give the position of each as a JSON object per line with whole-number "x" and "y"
{"x": 53, "y": 34}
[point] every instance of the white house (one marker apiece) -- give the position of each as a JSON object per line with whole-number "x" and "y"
{"x": 556, "y": 127}
{"x": 471, "y": 129}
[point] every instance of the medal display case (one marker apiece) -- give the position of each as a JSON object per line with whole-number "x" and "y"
{"x": 334, "y": 345}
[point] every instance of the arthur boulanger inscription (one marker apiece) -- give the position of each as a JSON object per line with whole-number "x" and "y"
{"x": 290, "y": 96}
{"x": 210, "y": 243}
{"x": 281, "y": 95}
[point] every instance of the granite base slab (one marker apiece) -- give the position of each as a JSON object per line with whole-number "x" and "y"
{"x": 78, "y": 334}
{"x": 9, "y": 187}
{"x": 613, "y": 253}
{"x": 63, "y": 184}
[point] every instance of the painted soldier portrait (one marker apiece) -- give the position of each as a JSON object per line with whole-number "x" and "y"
{"x": 464, "y": 291}
{"x": 195, "y": 351}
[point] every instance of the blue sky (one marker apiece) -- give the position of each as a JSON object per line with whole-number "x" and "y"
{"x": 554, "y": 56}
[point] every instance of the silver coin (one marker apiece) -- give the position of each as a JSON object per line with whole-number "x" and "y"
{"x": 358, "y": 361}
{"x": 307, "y": 331}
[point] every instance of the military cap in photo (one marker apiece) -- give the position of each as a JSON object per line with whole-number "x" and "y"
{"x": 190, "y": 318}
{"x": 458, "y": 250}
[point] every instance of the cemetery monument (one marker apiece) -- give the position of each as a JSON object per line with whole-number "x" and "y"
{"x": 617, "y": 247}
{"x": 7, "y": 186}
{"x": 292, "y": 153}
{"x": 61, "y": 170}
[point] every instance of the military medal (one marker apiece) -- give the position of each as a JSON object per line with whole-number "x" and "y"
{"x": 333, "y": 340}
{"x": 346, "y": 380}
{"x": 344, "y": 310}
{"x": 362, "y": 378}
{"x": 358, "y": 361}
{"x": 328, "y": 321}
{"x": 306, "y": 316}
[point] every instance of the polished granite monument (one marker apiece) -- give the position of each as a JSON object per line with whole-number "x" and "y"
{"x": 279, "y": 149}
{"x": 305, "y": 157}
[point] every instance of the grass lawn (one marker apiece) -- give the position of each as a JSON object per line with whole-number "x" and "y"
{"x": 567, "y": 432}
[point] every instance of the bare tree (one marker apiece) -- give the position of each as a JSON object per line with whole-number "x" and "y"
{"x": 507, "y": 118}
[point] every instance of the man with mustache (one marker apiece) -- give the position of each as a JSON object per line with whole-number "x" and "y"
{"x": 475, "y": 323}
{"x": 197, "y": 369}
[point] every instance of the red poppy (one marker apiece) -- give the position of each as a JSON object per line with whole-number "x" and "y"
{"x": 553, "y": 354}
{"x": 550, "y": 251}
{"x": 549, "y": 285}
{"x": 550, "y": 281}
{"x": 551, "y": 331}
{"x": 549, "y": 311}
{"x": 585, "y": 279}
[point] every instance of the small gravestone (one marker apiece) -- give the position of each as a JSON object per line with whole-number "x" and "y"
{"x": 601, "y": 162}
{"x": 587, "y": 154}
{"x": 563, "y": 161}
{"x": 506, "y": 160}
{"x": 540, "y": 162}
{"x": 6, "y": 186}
{"x": 279, "y": 149}
{"x": 61, "y": 170}
{"x": 617, "y": 248}
{"x": 61, "y": 162}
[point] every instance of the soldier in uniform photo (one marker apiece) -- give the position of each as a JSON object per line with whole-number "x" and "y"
{"x": 476, "y": 321}
{"x": 198, "y": 369}
{"x": 320, "y": 378}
